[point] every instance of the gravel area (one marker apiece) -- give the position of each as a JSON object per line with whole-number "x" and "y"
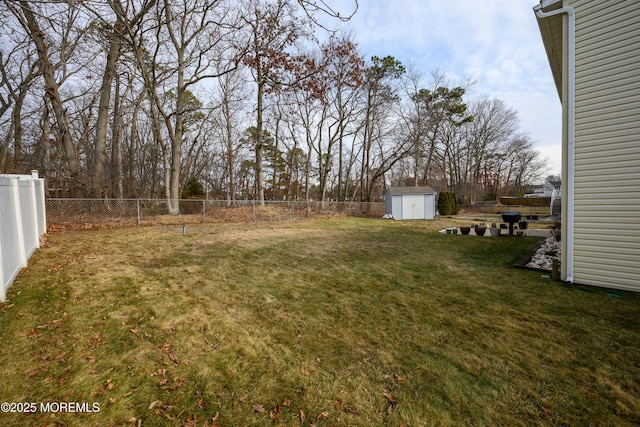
{"x": 546, "y": 253}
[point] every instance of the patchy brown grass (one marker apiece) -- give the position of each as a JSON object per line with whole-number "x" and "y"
{"x": 328, "y": 322}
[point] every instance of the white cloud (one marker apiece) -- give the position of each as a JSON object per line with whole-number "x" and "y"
{"x": 496, "y": 42}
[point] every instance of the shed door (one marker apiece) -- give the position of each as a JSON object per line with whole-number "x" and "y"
{"x": 396, "y": 209}
{"x": 429, "y": 206}
{"x": 413, "y": 206}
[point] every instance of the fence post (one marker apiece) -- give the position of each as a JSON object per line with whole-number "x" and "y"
{"x": 40, "y": 206}
{"x": 138, "y": 205}
{"x": 18, "y": 223}
{"x": 253, "y": 204}
{"x": 293, "y": 210}
{"x": 204, "y": 211}
{"x": 3, "y": 290}
{"x": 31, "y": 242}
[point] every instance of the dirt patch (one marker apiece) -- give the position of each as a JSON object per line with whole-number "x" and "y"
{"x": 251, "y": 236}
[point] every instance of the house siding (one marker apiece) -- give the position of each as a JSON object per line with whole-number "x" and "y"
{"x": 607, "y": 144}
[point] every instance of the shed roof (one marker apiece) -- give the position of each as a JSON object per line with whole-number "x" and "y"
{"x": 424, "y": 189}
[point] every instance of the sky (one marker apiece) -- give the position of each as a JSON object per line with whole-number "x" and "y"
{"x": 495, "y": 42}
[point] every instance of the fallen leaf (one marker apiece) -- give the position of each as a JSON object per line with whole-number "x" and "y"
{"x": 214, "y": 420}
{"x": 177, "y": 383}
{"x": 274, "y": 414}
{"x": 547, "y": 410}
{"x": 286, "y": 402}
{"x": 258, "y": 408}
{"x": 110, "y": 385}
{"x": 32, "y": 333}
{"x": 192, "y": 421}
{"x": 389, "y": 397}
{"x": 173, "y": 358}
{"x": 322, "y": 415}
{"x": 131, "y": 392}
{"x": 351, "y": 410}
{"x": 164, "y": 411}
{"x": 400, "y": 378}
{"x": 302, "y": 416}
{"x": 153, "y": 404}
{"x": 242, "y": 399}
{"x": 304, "y": 371}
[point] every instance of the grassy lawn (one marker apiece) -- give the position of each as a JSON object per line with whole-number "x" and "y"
{"x": 341, "y": 322}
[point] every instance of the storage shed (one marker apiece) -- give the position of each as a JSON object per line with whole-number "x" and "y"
{"x": 410, "y": 202}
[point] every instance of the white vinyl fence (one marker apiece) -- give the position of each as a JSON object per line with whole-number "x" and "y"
{"x": 22, "y": 222}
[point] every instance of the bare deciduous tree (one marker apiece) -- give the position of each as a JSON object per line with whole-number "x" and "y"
{"x": 26, "y": 16}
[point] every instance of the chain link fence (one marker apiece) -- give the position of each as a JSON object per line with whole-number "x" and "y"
{"x": 110, "y": 213}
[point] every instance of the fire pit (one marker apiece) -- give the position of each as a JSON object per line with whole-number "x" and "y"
{"x": 511, "y": 218}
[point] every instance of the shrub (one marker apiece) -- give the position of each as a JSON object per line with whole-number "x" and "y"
{"x": 448, "y": 203}
{"x": 193, "y": 189}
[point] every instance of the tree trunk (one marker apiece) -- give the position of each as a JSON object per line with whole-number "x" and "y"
{"x": 259, "y": 146}
{"x": 16, "y": 116}
{"x": 116, "y": 153}
{"x": 100, "y": 157}
{"x": 341, "y": 195}
{"x": 226, "y": 109}
{"x": 43, "y": 152}
{"x": 51, "y": 90}
{"x": 5, "y": 148}
{"x": 133, "y": 188}
{"x": 176, "y": 143}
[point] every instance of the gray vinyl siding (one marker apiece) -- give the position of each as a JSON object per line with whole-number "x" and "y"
{"x": 607, "y": 144}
